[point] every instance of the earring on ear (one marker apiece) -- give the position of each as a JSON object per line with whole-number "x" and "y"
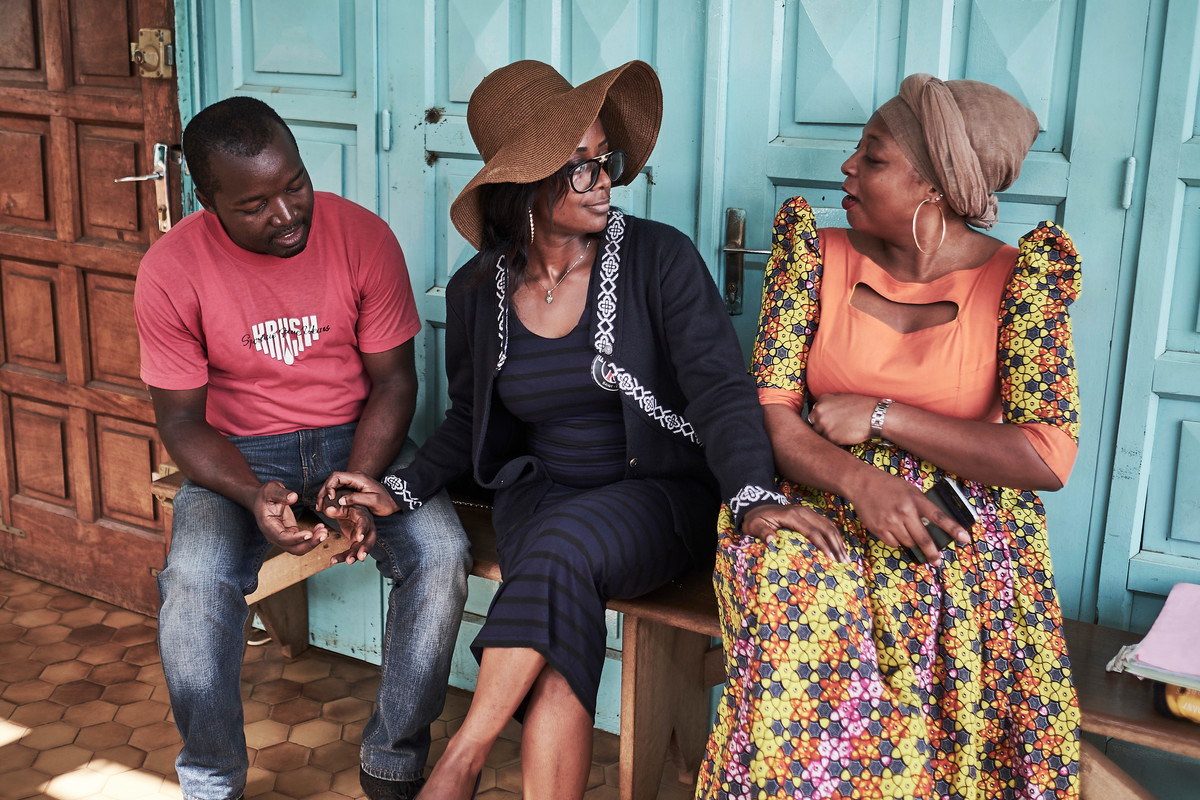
{"x": 531, "y": 226}
{"x": 941, "y": 214}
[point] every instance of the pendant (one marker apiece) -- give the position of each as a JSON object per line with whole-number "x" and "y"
{"x": 549, "y": 298}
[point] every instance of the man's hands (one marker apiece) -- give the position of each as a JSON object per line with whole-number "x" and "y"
{"x": 343, "y": 489}
{"x": 273, "y": 512}
{"x": 354, "y": 500}
{"x": 359, "y": 527}
{"x": 277, "y": 521}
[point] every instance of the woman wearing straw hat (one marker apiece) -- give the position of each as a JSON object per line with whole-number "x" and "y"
{"x": 597, "y": 386}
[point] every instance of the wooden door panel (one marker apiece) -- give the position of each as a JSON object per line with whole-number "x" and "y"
{"x": 101, "y": 31}
{"x": 127, "y": 451}
{"x": 42, "y": 452}
{"x": 100, "y": 559}
{"x": 112, "y": 331}
{"x": 20, "y": 45}
{"x": 25, "y": 192}
{"x": 76, "y": 426}
{"x": 110, "y": 210}
{"x": 30, "y": 305}
{"x": 317, "y": 72}
{"x": 1154, "y": 513}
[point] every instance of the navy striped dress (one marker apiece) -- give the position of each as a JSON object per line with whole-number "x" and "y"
{"x": 595, "y": 535}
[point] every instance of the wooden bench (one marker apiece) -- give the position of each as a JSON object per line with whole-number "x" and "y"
{"x": 669, "y": 664}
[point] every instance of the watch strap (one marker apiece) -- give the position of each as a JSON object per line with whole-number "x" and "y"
{"x": 878, "y": 416}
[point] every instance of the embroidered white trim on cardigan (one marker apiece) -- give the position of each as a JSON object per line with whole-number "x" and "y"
{"x": 606, "y": 330}
{"x": 399, "y": 488}
{"x": 753, "y": 494}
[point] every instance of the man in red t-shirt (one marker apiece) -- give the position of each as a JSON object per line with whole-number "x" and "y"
{"x": 276, "y": 335}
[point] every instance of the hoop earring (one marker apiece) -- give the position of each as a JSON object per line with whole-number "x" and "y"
{"x": 531, "y": 226}
{"x": 914, "y": 225}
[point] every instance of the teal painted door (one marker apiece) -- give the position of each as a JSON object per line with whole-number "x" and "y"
{"x": 1153, "y": 530}
{"x": 805, "y": 75}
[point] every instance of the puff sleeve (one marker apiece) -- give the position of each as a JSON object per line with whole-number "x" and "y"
{"x": 1039, "y": 385}
{"x": 790, "y": 307}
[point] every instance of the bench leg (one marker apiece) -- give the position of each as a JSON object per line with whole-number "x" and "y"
{"x": 285, "y": 616}
{"x": 1101, "y": 779}
{"x": 664, "y": 703}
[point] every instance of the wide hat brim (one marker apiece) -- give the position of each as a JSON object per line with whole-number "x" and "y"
{"x": 627, "y": 100}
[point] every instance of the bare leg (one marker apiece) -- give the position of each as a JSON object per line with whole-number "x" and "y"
{"x": 556, "y": 741}
{"x": 505, "y": 677}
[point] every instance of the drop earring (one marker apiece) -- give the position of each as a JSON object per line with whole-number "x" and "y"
{"x": 531, "y": 226}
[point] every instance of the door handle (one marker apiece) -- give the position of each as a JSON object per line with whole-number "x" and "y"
{"x": 159, "y": 176}
{"x": 735, "y": 253}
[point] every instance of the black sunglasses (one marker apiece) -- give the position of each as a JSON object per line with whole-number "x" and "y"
{"x": 583, "y": 176}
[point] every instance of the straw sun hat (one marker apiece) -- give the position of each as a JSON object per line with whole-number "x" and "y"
{"x": 527, "y": 121}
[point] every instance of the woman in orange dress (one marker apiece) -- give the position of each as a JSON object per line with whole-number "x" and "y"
{"x": 908, "y": 349}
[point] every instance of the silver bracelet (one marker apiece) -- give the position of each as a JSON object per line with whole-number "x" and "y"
{"x": 878, "y": 416}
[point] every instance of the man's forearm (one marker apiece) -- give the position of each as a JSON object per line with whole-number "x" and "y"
{"x": 210, "y": 460}
{"x": 381, "y": 430}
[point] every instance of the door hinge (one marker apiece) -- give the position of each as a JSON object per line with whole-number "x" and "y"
{"x": 11, "y": 531}
{"x": 154, "y": 53}
{"x": 385, "y": 130}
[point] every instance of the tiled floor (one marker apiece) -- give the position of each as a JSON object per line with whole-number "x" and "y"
{"x": 84, "y": 712}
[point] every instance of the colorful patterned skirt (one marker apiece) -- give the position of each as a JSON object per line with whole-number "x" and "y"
{"x": 884, "y": 678}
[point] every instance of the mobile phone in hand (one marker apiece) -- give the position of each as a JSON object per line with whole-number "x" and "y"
{"x": 951, "y": 499}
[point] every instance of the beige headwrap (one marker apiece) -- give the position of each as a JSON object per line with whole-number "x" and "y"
{"x": 965, "y": 137}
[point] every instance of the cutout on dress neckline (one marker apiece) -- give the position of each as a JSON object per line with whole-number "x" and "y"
{"x": 901, "y": 317}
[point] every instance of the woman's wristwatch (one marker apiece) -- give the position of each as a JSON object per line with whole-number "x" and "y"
{"x": 878, "y": 416}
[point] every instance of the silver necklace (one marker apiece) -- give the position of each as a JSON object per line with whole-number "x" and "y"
{"x": 561, "y": 278}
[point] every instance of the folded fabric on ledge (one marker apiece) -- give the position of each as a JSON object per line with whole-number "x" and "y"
{"x": 1170, "y": 652}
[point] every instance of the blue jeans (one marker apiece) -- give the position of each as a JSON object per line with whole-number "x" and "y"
{"x": 216, "y": 552}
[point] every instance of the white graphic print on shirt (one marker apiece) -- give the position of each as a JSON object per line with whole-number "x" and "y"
{"x": 284, "y": 338}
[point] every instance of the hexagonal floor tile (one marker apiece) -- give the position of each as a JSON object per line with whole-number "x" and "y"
{"x": 282, "y": 757}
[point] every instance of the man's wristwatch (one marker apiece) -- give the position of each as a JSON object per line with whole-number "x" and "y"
{"x": 878, "y": 416}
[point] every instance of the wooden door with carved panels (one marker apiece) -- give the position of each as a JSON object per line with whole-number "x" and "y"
{"x": 77, "y": 438}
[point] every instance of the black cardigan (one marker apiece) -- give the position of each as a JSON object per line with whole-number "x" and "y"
{"x": 663, "y": 340}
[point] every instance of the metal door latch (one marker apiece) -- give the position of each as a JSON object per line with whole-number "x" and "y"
{"x": 735, "y": 252}
{"x": 154, "y": 53}
{"x": 159, "y": 176}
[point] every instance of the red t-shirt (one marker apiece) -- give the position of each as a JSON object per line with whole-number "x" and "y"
{"x": 277, "y": 340}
